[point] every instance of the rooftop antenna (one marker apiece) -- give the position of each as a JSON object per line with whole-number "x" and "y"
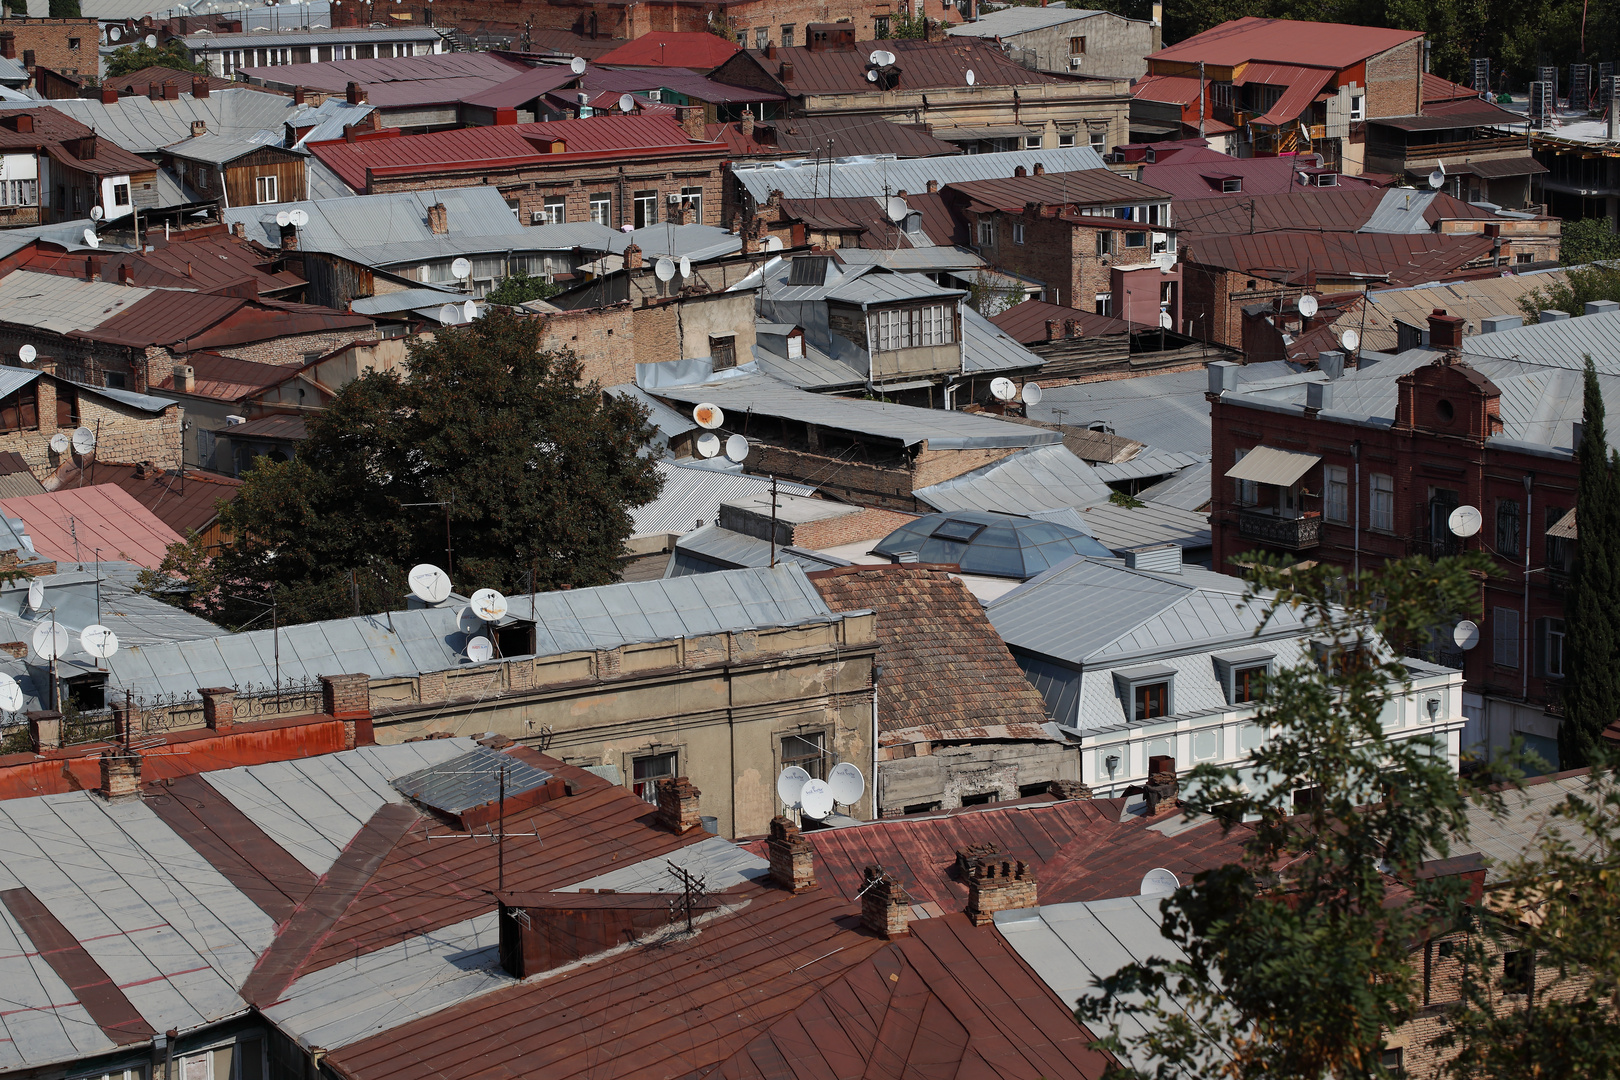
{"x": 1438, "y": 177}
{"x": 11, "y": 695}
{"x": 577, "y": 65}
{"x": 708, "y": 444}
{"x": 846, "y": 784}
{"x": 1308, "y": 305}
{"x": 708, "y": 416}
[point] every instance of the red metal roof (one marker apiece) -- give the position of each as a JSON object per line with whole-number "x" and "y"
{"x": 52, "y": 128}
{"x": 202, "y": 321}
{"x": 1025, "y": 323}
{"x": 185, "y": 504}
{"x": 1175, "y": 89}
{"x": 1397, "y": 259}
{"x": 1303, "y": 84}
{"x": 1287, "y": 41}
{"x": 1197, "y": 174}
{"x": 923, "y": 65}
{"x": 200, "y": 264}
{"x": 1086, "y": 187}
{"x": 700, "y": 52}
{"x": 1334, "y": 209}
{"x": 435, "y": 79}
{"x": 72, "y": 524}
{"x": 804, "y": 136}
{"x": 227, "y": 378}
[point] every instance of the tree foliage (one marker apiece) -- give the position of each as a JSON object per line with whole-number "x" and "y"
{"x": 521, "y": 288}
{"x": 1583, "y": 284}
{"x": 1295, "y": 957}
{"x": 540, "y": 471}
{"x": 64, "y": 9}
{"x": 128, "y": 59}
{"x": 907, "y": 26}
{"x": 1587, "y": 241}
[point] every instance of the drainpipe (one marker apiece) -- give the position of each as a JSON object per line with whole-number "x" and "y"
{"x": 877, "y": 811}
{"x": 1355, "y": 543}
{"x": 1524, "y": 638}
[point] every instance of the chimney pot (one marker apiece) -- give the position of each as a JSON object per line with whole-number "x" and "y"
{"x": 356, "y": 94}
{"x": 1161, "y": 789}
{"x": 28, "y": 59}
{"x": 348, "y": 698}
{"x": 8, "y": 45}
{"x": 632, "y": 257}
{"x": 219, "y": 707}
{"x": 933, "y": 186}
{"x": 184, "y": 381}
{"x": 1068, "y": 789}
{"x": 1071, "y": 328}
{"x": 109, "y": 96}
{"x": 999, "y": 885}
{"x": 22, "y": 123}
{"x": 1445, "y": 331}
{"x": 770, "y": 50}
{"x": 1020, "y": 171}
{"x": 791, "y": 855}
{"x": 1054, "y": 330}
{"x": 1040, "y": 170}
{"x": 171, "y": 91}
{"x": 239, "y": 230}
{"x": 199, "y": 127}
{"x": 678, "y": 805}
{"x": 298, "y": 95}
{"x": 120, "y": 776}
{"x": 885, "y": 907}
{"x": 748, "y": 123}
{"x": 785, "y": 73}
{"x": 439, "y": 219}
{"x": 199, "y": 86}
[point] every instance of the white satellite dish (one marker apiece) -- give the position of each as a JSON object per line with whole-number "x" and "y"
{"x": 708, "y": 444}
{"x": 885, "y": 58}
{"x": 151, "y": 41}
{"x": 27, "y": 353}
{"x": 971, "y": 78}
{"x": 626, "y": 103}
{"x": 97, "y": 213}
{"x": 815, "y": 800}
{"x": 896, "y": 209}
{"x": 1166, "y": 321}
{"x": 489, "y": 605}
{"x": 84, "y": 440}
{"x": 871, "y": 75}
{"x": 429, "y": 583}
{"x": 1308, "y": 305}
{"x": 1031, "y": 393}
{"x": 708, "y": 416}
{"x": 1438, "y": 177}
{"x": 449, "y": 314}
{"x": 875, "y": 58}
{"x": 1159, "y": 882}
{"x": 460, "y": 269}
{"x": 60, "y": 442}
{"x": 36, "y": 596}
{"x": 98, "y": 641}
{"x": 1350, "y": 340}
{"x": 1465, "y": 521}
{"x": 737, "y": 449}
{"x": 685, "y": 267}
{"x": 11, "y": 695}
{"x": 790, "y": 783}
{"x": 664, "y": 269}
{"x": 479, "y": 650}
{"x": 577, "y": 65}
{"x": 299, "y": 218}
{"x": 91, "y": 239}
{"x": 1003, "y": 388}
{"x": 50, "y": 639}
{"x": 469, "y": 311}
{"x": 284, "y": 219}
{"x": 773, "y": 243}
{"x": 1466, "y": 634}
{"x": 114, "y": 33}
{"x": 846, "y": 783}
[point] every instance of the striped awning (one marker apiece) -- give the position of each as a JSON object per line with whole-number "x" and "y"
{"x": 1268, "y": 465}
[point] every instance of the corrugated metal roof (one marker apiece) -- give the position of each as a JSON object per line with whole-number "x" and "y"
{"x": 1150, "y": 462}
{"x": 63, "y": 305}
{"x": 1398, "y": 259}
{"x": 394, "y": 82}
{"x": 1471, "y": 301}
{"x": 1039, "y": 478}
{"x": 1122, "y": 527}
{"x": 404, "y": 300}
{"x": 1561, "y": 344}
{"x": 876, "y": 179}
{"x": 688, "y": 83}
{"x": 72, "y": 524}
{"x": 320, "y": 36}
{"x": 711, "y": 548}
{"x": 1026, "y": 321}
{"x": 217, "y": 149}
{"x": 144, "y": 126}
{"x": 986, "y": 347}
{"x": 470, "y": 780}
{"x": 331, "y": 118}
{"x": 922, "y": 65}
{"x": 877, "y": 287}
{"x": 693, "y": 495}
{"x": 915, "y": 260}
{"x": 1094, "y": 187}
{"x": 1287, "y": 41}
{"x": 1188, "y": 489}
{"x": 1019, "y": 20}
{"x": 694, "y": 50}
{"x": 815, "y": 370}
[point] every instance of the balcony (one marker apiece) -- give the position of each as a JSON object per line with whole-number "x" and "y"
{"x": 1288, "y": 533}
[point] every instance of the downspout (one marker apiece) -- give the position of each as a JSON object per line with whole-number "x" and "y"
{"x": 1524, "y": 616}
{"x": 1355, "y": 543}
{"x": 877, "y": 810}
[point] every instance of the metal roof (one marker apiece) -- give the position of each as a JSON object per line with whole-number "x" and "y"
{"x": 877, "y": 287}
{"x": 1122, "y": 527}
{"x": 711, "y": 548}
{"x": 921, "y": 65}
{"x": 1400, "y": 259}
{"x": 1471, "y": 301}
{"x": 313, "y": 36}
{"x": 470, "y": 780}
{"x": 145, "y": 126}
{"x": 992, "y": 544}
{"x": 1287, "y": 41}
{"x": 1560, "y": 344}
{"x": 930, "y": 259}
{"x": 331, "y": 118}
{"x": 218, "y": 150}
{"x": 404, "y": 300}
{"x": 1188, "y": 489}
{"x": 691, "y": 496}
{"x": 816, "y": 370}
{"x": 1020, "y": 20}
{"x": 63, "y": 304}
{"x": 1149, "y": 462}
{"x": 1097, "y": 186}
{"x": 876, "y": 179}
{"x": 1269, "y": 465}
{"x": 72, "y": 524}
{"x": 407, "y": 81}
{"x": 1039, "y": 478}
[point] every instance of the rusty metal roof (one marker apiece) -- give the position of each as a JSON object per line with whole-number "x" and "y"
{"x": 1086, "y": 187}
{"x": 831, "y": 136}
{"x": 923, "y": 65}
{"x": 662, "y": 48}
{"x": 1395, "y": 258}
{"x": 1026, "y": 322}
{"x": 198, "y": 321}
{"x": 401, "y": 81}
{"x": 1287, "y": 41}
{"x": 184, "y": 505}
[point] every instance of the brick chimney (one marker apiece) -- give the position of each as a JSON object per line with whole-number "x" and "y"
{"x": 748, "y": 123}
{"x": 1445, "y": 331}
{"x": 109, "y": 96}
{"x": 1071, "y": 328}
{"x": 171, "y": 91}
{"x": 999, "y": 886}
{"x": 45, "y": 730}
{"x": 678, "y": 805}
{"x": 28, "y": 59}
{"x": 785, "y": 72}
{"x": 185, "y": 378}
{"x": 692, "y": 122}
{"x": 120, "y": 776}
{"x": 1019, "y": 171}
{"x": 348, "y": 698}
{"x": 885, "y": 907}
{"x": 298, "y": 95}
{"x": 239, "y": 230}
{"x": 356, "y": 94}
{"x": 1054, "y": 330}
{"x": 439, "y": 219}
{"x": 1068, "y": 789}
{"x": 770, "y": 50}
{"x": 792, "y": 857}
{"x": 1040, "y": 170}
{"x": 199, "y": 127}
{"x": 199, "y": 86}
{"x": 1161, "y": 789}
{"x": 219, "y": 707}
{"x": 8, "y": 45}
{"x": 632, "y": 257}
{"x": 22, "y": 123}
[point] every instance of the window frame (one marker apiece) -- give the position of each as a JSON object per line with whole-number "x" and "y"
{"x": 601, "y": 201}
{"x": 1077, "y": 45}
{"x": 644, "y": 204}
{"x": 815, "y": 764}
{"x": 987, "y": 230}
{"x": 1504, "y": 619}
{"x": 1018, "y": 232}
{"x": 693, "y": 197}
{"x": 650, "y": 782}
{"x": 266, "y": 182}
{"x": 1508, "y": 531}
{"x": 1380, "y": 503}
{"x": 1336, "y": 494}
{"x": 1141, "y": 687}
{"x": 554, "y": 209}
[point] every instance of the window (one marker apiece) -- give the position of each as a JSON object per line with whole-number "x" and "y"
{"x": 647, "y": 770}
{"x": 1248, "y": 684}
{"x": 73, "y": 43}
{"x": 987, "y": 230}
{"x": 264, "y": 188}
{"x": 67, "y": 408}
{"x": 1523, "y": 258}
{"x": 1336, "y": 499}
{"x": 1507, "y": 526}
{"x": 1558, "y": 553}
{"x": 1104, "y": 303}
{"x": 787, "y": 36}
{"x": 1382, "y": 511}
{"x": 1505, "y": 637}
{"x": 1519, "y": 972}
{"x": 19, "y": 411}
{"x": 1065, "y": 140}
{"x": 1358, "y": 106}
{"x": 19, "y": 193}
{"x": 1151, "y": 699}
{"x": 1232, "y": 185}
{"x": 693, "y": 197}
{"x": 1551, "y": 640}
{"x": 1393, "y": 1061}
{"x": 602, "y": 208}
{"x": 1248, "y": 492}
{"x": 723, "y": 350}
{"x": 795, "y": 345}
{"x": 1105, "y": 244}
{"x": 1077, "y": 46}
{"x": 646, "y": 209}
{"x": 880, "y": 26}
{"x": 762, "y": 37}
{"x": 807, "y": 751}
{"x": 912, "y": 328}
{"x": 1099, "y": 141}
{"x": 1018, "y": 232}
{"x": 1032, "y": 142}
{"x": 555, "y": 211}
{"x": 920, "y": 808}
{"x": 1136, "y": 239}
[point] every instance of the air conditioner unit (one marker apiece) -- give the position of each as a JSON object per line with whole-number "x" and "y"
{"x": 672, "y": 198}
{"x": 1074, "y": 61}
{"x": 537, "y": 217}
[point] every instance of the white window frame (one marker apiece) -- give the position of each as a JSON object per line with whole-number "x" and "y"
{"x": 1248, "y": 492}
{"x": 554, "y": 209}
{"x": 1336, "y": 493}
{"x": 263, "y": 184}
{"x": 1555, "y": 657}
{"x": 987, "y": 230}
{"x": 1018, "y": 232}
{"x": 1358, "y": 106}
{"x": 693, "y": 197}
{"x": 602, "y": 208}
{"x": 913, "y": 328}
{"x": 1381, "y": 502}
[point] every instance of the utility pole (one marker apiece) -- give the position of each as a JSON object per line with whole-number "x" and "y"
{"x": 773, "y": 522}
{"x": 1201, "y": 101}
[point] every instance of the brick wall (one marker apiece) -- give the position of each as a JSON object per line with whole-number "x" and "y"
{"x": 936, "y": 466}
{"x": 635, "y": 19}
{"x": 658, "y": 334}
{"x": 1394, "y": 80}
{"x": 868, "y": 524}
{"x": 603, "y": 339}
{"x": 295, "y": 349}
{"x": 122, "y": 434}
{"x": 52, "y": 41}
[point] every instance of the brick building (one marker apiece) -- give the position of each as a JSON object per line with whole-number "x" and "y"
{"x": 1369, "y": 466}
{"x": 57, "y": 169}
{"x": 70, "y": 46}
{"x": 38, "y": 404}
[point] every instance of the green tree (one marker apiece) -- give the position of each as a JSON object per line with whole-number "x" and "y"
{"x": 1592, "y": 679}
{"x": 128, "y": 59}
{"x": 521, "y": 288}
{"x": 1296, "y": 956}
{"x": 1588, "y": 240}
{"x": 907, "y": 26}
{"x": 1581, "y": 286}
{"x": 540, "y": 471}
{"x": 64, "y": 9}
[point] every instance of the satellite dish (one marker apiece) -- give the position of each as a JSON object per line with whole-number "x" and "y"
{"x": 685, "y": 267}
{"x": 708, "y": 416}
{"x": 449, "y": 315}
{"x": 469, "y": 311}
{"x": 1159, "y": 882}
{"x": 626, "y": 103}
{"x": 1003, "y": 388}
{"x": 876, "y": 58}
{"x": 151, "y": 41}
{"x": 429, "y": 583}
{"x": 971, "y": 78}
{"x": 1465, "y": 521}
{"x": 1466, "y": 634}
{"x": 460, "y": 268}
{"x": 790, "y": 783}
{"x": 114, "y": 33}
{"x": 577, "y": 65}
{"x": 846, "y": 783}
{"x": 299, "y": 218}
{"x": 96, "y": 213}
{"x": 84, "y": 440}
{"x": 98, "y": 641}
{"x": 27, "y": 353}
{"x": 1438, "y": 177}
{"x": 60, "y": 442}
{"x": 91, "y": 239}
{"x": 489, "y": 605}
{"x": 664, "y": 269}
{"x": 36, "y": 596}
{"x": 773, "y": 243}
{"x": 737, "y": 449}
{"x": 1031, "y": 393}
{"x": 708, "y": 444}
{"x": 815, "y": 800}
{"x": 284, "y": 219}
{"x": 885, "y": 58}
{"x": 1166, "y": 321}
{"x": 479, "y": 650}
{"x": 11, "y": 695}
{"x": 896, "y": 209}
{"x": 50, "y": 639}
{"x": 871, "y": 75}
{"x": 1308, "y": 305}
{"x": 1350, "y": 340}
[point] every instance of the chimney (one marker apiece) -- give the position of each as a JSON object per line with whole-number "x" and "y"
{"x": 748, "y": 123}
{"x": 171, "y": 91}
{"x": 1071, "y": 328}
{"x": 770, "y": 50}
{"x": 1331, "y": 363}
{"x": 120, "y": 776}
{"x": 199, "y": 86}
{"x": 298, "y": 95}
{"x": 8, "y": 45}
{"x": 155, "y": 91}
{"x": 999, "y": 886}
{"x": 185, "y": 378}
{"x": 199, "y": 127}
{"x": 678, "y": 805}
{"x": 792, "y": 858}
{"x": 125, "y": 718}
{"x": 109, "y": 96}
{"x": 22, "y": 123}
{"x": 1020, "y": 171}
{"x": 632, "y": 257}
{"x": 1068, "y": 789}
{"x": 933, "y": 186}
{"x": 219, "y": 706}
{"x": 239, "y": 230}
{"x": 1054, "y": 330}
{"x": 1161, "y": 788}
{"x": 885, "y": 907}
{"x": 439, "y": 219}
{"x": 348, "y": 698}
{"x": 785, "y": 72}
{"x": 357, "y": 94}
{"x": 1318, "y": 396}
{"x": 1547, "y": 315}
{"x": 1223, "y": 375}
{"x": 45, "y": 730}
{"x": 1445, "y": 331}
{"x": 28, "y": 59}
{"x": 693, "y": 122}
{"x": 1040, "y": 170}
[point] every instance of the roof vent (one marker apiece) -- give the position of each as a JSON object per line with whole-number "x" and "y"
{"x": 1159, "y": 558}
{"x": 1493, "y": 323}
{"x": 1554, "y": 315}
{"x": 469, "y": 787}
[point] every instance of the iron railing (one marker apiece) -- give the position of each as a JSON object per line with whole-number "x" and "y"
{"x": 1293, "y": 534}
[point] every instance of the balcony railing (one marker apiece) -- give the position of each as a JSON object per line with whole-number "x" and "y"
{"x": 1464, "y": 146}
{"x": 1291, "y": 534}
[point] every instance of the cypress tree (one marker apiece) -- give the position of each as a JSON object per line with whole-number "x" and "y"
{"x": 64, "y": 9}
{"x": 1592, "y": 631}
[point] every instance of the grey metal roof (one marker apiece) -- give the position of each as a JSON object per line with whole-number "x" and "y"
{"x": 1188, "y": 489}
{"x": 63, "y": 304}
{"x": 1272, "y": 465}
{"x": 711, "y": 548}
{"x": 804, "y": 180}
{"x": 1121, "y": 527}
{"x": 330, "y": 118}
{"x": 816, "y": 370}
{"x": 144, "y": 126}
{"x": 145, "y": 402}
{"x": 925, "y": 260}
{"x": 986, "y": 347}
{"x": 670, "y": 424}
{"x": 1039, "y": 478}
{"x": 300, "y": 36}
{"x": 322, "y": 183}
{"x": 883, "y": 288}
{"x": 940, "y": 429}
{"x": 219, "y": 149}
{"x": 1561, "y": 344}
{"x": 404, "y": 300}
{"x": 692, "y": 496}
{"x": 696, "y": 242}
{"x": 1400, "y": 211}
{"x": 1150, "y": 462}
{"x": 1019, "y": 20}
{"x": 719, "y": 862}
{"x": 470, "y": 780}
{"x": 12, "y": 71}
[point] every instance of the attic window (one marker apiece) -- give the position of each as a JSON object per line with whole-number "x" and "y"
{"x": 1327, "y": 179}
{"x": 960, "y": 531}
{"x": 1232, "y": 185}
{"x": 1148, "y": 692}
{"x": 808, "y": 270}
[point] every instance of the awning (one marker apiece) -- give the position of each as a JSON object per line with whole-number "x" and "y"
{"x": 1491, "y": 170}
{"x": 1565, "y": 529}
{"x": 974, "y": 134}
{"x": 1268, "y": 465}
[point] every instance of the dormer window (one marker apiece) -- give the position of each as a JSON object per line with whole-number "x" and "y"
{"x": 1243, "y": 674}
{"x": 1327, "y": 179}
{"x": 1148, "y": 692}
{"x": 1232, "y": 185}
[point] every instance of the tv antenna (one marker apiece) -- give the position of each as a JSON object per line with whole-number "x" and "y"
{"x": 1350, "y": 340}
{"x": 1031, "y": 393}
{"x": 693, "y": 890}
{"x": 815, "y": 799}
{"x": 84, "y": 440}
{"x": 449, "y": 315}
{"x": 790, "y": 784}
{"x": 664, "y": 269}
{"x": 1465, "y": 634}
{"x": 461, "y": 269}
{"x": 299, "y": 218}
{"x": 469, "y": 311}
{"x": 1159, "y": 882}
{"x": 11, "y": 695}
{"x": 1438, "y": 177}
{"x": 971, "y": 78}
{"x": 91, "y": 239}
{"x": 685, "y": 267}
{"x": 489, "y": 605}
{"x": 895, "y": 209}
{"x": 627, "y": 103}
{"x": 1003, "y": 388}
{"x": 27, "y": 353}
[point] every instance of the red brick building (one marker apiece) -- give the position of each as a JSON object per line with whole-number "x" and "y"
{"x": 66, "y": 45}
{"x": 1370, "y": 467}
